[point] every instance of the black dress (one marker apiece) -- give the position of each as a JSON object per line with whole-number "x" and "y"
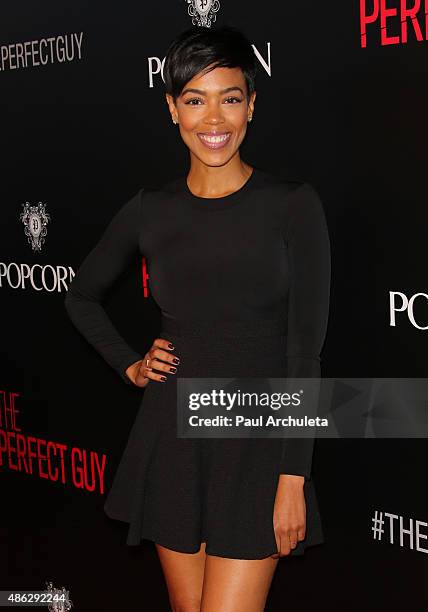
{"x": 243, "y": 285}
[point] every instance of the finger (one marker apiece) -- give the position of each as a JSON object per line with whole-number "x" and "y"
{"x": 292, "y": 538}
{"x": 141, "y": 380}
{"x": 148, "y": 373}
{"x": 146, "y": 363}
{"x": 301, "y": 534}
{"x": 278, "y": 546}
{"x": 143, "y": 372}
{"x": 155, "y": 364}
{"x": 158, "y": 353}
{"x": 153, "y": 375}
{"x": 285, "y": 546}
{"x": 164, "y": 344}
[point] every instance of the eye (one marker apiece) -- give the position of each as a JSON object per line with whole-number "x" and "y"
{"x": 229, "y": 100}
{"x": 193, "y": 100}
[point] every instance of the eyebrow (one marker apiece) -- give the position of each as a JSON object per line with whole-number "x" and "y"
{"x": 203, "y": 92}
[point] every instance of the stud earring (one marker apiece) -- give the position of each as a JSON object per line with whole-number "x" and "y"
{"x": 174, "y": 122}
{"x": 249, "y": 118}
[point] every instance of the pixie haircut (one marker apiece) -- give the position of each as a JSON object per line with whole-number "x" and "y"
{"x": 203, "y": 49}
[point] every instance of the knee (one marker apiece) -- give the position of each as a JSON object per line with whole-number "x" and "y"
{"x": 186, "y": 604}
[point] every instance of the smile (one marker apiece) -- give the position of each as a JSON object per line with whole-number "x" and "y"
{"x": 214, "y": 141}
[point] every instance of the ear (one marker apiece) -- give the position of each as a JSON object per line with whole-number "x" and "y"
{"x": 172, "y": 107}
{"x": 251, "y": 102}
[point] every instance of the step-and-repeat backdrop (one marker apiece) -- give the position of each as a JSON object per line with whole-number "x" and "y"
{"x": 341, "y": 103}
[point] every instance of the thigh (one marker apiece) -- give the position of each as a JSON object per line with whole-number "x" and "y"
{"x": 184, "y": 576}
{"x": 233, "y": 585}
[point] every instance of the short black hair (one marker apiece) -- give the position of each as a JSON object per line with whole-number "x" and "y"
{"x": 196, "y": 48}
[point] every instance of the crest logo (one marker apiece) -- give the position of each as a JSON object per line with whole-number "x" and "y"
{"x": 61, "y": 601}
{"x": 35, "y": 220}
{"x": 203, "y": 12}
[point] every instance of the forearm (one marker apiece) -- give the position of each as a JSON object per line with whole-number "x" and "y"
{"x": 92, "y": 321}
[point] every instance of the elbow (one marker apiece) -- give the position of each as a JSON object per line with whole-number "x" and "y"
{"x": 77, "y": 300}
{"x": 71, "y": 299}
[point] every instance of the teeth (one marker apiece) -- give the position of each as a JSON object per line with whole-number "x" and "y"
{"x": 215, "y": 138}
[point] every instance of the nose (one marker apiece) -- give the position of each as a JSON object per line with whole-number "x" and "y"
{"x": 214, "y": 114}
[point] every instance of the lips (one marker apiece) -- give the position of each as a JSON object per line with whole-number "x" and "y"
{"x": 214, "y": 140}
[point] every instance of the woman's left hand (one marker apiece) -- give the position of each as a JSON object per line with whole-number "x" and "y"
{"x": 289, "y": 515}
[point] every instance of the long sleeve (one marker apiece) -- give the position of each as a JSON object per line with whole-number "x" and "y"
{"x": 308, "y": 246}
{"x": 117, "y": 249}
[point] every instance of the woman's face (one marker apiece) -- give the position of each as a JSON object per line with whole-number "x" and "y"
{"x": 212, "y": 114}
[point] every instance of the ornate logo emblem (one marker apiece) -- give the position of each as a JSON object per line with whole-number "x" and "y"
{"x": 203, "y": 12}
{"x": 35, "y": 220}
{"x": 61, "y": 601}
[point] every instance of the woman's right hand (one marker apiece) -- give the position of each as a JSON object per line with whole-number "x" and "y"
{"x": 160, "y": 360}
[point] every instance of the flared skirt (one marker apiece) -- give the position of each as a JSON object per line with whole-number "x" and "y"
{"x": 180, "y": 492}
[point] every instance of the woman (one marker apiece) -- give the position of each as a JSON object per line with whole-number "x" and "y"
{"x": 239, "y": 264}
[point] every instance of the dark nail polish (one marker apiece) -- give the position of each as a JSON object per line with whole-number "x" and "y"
{"x": 173, "y": 370}
{"x": 170, "y": 346}
{"x": 176, "y": 360}
{"x": 163, "y": 378}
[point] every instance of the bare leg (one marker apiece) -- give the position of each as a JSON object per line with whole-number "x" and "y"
{"x": 184, "y": 576}
{"x": 233, "y": 585}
